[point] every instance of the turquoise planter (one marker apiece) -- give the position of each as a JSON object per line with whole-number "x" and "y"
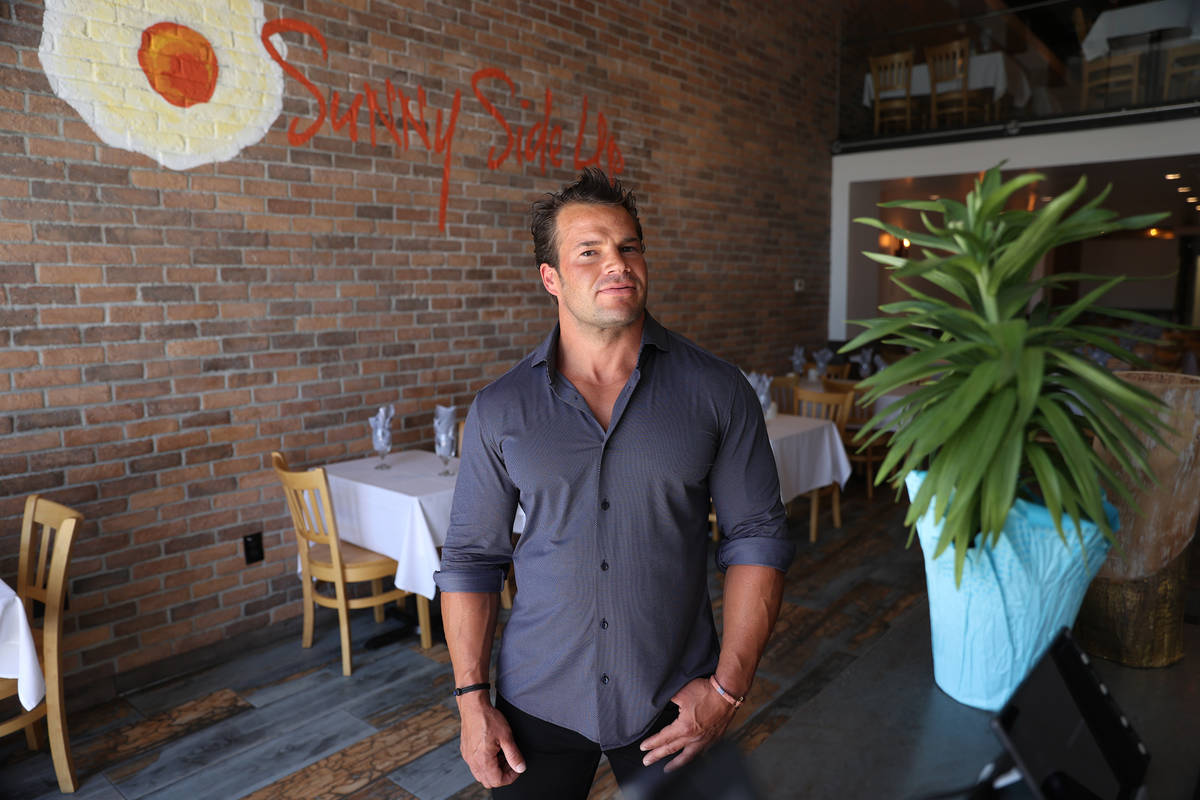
{"x": 988, "y": 632}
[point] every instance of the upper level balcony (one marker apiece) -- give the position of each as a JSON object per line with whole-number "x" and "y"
{"x": 918, "y": 73}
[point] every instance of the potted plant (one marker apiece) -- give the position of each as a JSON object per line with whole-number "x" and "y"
{"x": 998, "y": 446}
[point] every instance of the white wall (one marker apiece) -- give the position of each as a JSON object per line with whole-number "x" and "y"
{"x": 1137, "y": 258}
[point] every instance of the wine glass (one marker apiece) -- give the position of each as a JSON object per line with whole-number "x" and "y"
{"x": 381, "y": 440}
{"x": 443, "y": 445}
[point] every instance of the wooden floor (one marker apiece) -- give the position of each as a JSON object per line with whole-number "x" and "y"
{"x": 282, "y": 722}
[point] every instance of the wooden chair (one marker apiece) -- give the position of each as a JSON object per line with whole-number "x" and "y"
{"x": 782, "y": 392}
{"x": 892, "y": 73}
{"x": 869, "y": 455}
{"x": 950, "y": 63}
{"x": 839, "y": 371}
{"x": 324, "y": 557}
{"x": 47, "y": 534}
{"x": 1111, "y": 77}
{"x": 834, "y": 407}
{"x": 1181, "y": 78}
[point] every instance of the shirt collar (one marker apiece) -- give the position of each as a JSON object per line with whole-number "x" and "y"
{"x": 653, "y": 334}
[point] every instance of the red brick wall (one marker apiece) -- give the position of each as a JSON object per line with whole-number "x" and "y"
{"x": 163, "y": 331}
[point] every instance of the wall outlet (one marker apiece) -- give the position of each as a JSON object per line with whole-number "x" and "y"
{"x": 253, "y": 547}
{"x": 798, "y": 285}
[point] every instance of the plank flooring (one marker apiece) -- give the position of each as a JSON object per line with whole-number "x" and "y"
{"x": 282, "y": 722}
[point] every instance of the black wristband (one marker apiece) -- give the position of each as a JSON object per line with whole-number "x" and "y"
{"x": 474, "y": 687}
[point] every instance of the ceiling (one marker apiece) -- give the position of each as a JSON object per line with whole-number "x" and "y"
{"x": 1139, "y": 187}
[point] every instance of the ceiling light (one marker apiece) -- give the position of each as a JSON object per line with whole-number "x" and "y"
{"x": 1183, "y": 189}
{"x": 1046, "y": 198}
{"x": 906, "y": 243}
{"x": 1172, "y": 176}
{"x": 1193, "y": 200}
{"x": 1153, "y": 232}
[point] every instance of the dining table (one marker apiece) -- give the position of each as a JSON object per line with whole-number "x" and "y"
{"x": 402, "y": 512}
{"x": 808, "y": 454}
{"x": 994, "y": 70}
{"x": 1143, "y": 18}
{"x": 18, "y": 654}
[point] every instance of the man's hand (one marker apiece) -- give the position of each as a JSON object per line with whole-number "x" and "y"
{"x": 703, "y": 717}
{"x": 487, "y": 742}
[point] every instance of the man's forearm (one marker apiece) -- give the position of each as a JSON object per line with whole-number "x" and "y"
{"x": 752, "y": 598}
{"x": 470, "y": 622}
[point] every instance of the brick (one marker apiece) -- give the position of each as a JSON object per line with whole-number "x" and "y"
{"x": 47, "y": 419}
{"x": 96, "y": 582}
{"x": 78, "y": 395}
{"x": 91, "y": 173}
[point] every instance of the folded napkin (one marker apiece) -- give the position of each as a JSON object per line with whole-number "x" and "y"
{"x": 864, "y": 359}
{"x": 444, "y": 429}
{"x": 1098, "y": 356}
{"x": 798, "y": 360}
{"x": 762, "y": 388}
{"x": 381, "y": 427}
{"x": 822, "y": 358}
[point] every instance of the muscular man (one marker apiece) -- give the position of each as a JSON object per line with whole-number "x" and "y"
{"x": 611, "y": 435}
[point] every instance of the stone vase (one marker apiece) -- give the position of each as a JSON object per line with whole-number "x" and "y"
{"x": 1133, "y": 611}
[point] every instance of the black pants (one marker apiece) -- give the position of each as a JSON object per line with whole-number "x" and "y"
{"x": 560, "y": 763}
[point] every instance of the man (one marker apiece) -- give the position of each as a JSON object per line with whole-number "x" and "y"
{"x": 612, "y": 436}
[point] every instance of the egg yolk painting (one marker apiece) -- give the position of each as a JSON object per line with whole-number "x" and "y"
{"x": 185, "y": 83}
{"x": 179, "y": 63}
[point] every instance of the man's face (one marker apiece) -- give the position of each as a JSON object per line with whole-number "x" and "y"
{"x": 601, "y": 277}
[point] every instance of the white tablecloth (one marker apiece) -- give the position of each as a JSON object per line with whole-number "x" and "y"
{"x": 996, "y": 70}
{"x": 18, "y": 655}
{"x": 1160, "y": 15}
{"x": 402, "y": 512}
{"x": 808, "y": 454}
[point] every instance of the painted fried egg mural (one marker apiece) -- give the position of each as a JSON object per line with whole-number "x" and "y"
{"x": 185, "y": 82}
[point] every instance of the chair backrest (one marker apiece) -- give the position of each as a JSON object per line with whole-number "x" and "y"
{"x": 891, "y": 72}
{"x": 307, "y": 495}
{"x": 1112, "y": 75}
{"x": 781, "y": 392}
{"x": 948, "y": 62}
{"x": 858, "y": 414}
{"x": 47, "y": 536}
{"x": 837, "y": 370}
{"x": 1182, "y": 62}
{"x": 833, "y": 406}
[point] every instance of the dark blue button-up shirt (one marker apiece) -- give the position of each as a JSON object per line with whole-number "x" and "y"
{"x": 612, "y": 616}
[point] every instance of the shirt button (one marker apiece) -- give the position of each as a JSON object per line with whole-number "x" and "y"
{"x": 604, "y": 505}
{"x": 603, "y": 566}
{"x": 603, "y": 624}
{"x": 604, "y": 679}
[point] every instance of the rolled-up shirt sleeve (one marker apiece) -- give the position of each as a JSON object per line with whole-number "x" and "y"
{"x": 478, "y": 544}
{"x": 744, "y": 484}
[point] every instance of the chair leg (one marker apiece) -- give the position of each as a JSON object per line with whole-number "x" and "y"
{"x": 33, "y": 735}
{"x": 306, "y": 631}
{"x": 343, "y": 610}
{"x": 423, "y": 621}
{"x": 60, "y": 743}
{"x": 506, "y": 594}
{"x": 815, "y": 494}
{"x": 376, "y": 590}
{"x": 837, "y": 506}
{"x": 870, "y": 480}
